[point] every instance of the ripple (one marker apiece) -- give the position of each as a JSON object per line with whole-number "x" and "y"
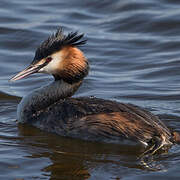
{"x": 133, "y": 50}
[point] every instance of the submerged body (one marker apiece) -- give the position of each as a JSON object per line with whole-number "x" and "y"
{"x": 90, "y": 118}
{"x": 52, "y": 108}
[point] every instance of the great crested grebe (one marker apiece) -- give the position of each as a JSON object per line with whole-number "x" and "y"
{"x": 51, "y": 108}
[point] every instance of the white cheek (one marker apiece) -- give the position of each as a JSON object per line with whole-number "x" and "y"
{"x": 52, "y": 67}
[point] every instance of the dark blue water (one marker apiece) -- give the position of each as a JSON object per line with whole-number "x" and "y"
{"x": 134, "y": 52}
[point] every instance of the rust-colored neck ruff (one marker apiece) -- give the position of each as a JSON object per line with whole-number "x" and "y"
{"x": 73, "y": 67}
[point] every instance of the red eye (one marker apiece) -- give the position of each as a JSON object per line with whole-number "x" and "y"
{"x": 48, "y": 59}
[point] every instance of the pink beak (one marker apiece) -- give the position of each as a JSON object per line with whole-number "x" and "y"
{"x": 26, "y": 72}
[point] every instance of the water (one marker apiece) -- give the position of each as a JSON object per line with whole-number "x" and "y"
{"x": 133, "y": 49}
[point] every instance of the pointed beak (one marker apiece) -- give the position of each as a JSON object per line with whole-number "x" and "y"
{"x": 26, "y": 72}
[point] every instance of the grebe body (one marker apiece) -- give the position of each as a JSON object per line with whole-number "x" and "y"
{"x": 51, "y": 108}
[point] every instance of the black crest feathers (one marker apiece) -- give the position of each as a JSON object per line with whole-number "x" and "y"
{"x": 56, "y": 42}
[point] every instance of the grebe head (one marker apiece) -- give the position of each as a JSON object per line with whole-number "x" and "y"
{"x": 59, "y": 56}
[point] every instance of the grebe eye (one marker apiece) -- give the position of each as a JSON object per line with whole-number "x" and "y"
{"x": 48, "y": 59}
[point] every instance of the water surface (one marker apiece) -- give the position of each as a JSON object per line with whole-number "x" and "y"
{"x": 133, "y": 49}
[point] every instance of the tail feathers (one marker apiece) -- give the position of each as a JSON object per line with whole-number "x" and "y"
{"x": 176, "y": 137}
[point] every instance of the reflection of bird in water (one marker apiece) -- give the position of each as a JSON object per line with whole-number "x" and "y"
{"x": 52, "y": 109}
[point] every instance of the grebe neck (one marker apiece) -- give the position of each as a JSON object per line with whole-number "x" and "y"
{"x": 43, "y": 97}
